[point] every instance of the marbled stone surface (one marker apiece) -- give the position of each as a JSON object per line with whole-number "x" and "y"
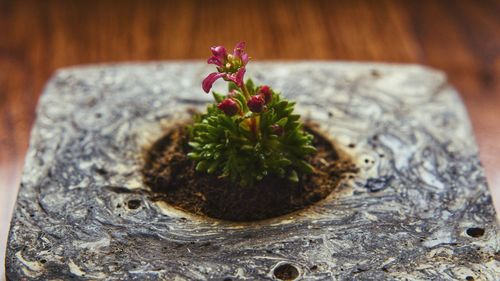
{"x": 415, "y": 211}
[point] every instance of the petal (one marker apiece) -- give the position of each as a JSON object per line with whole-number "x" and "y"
{"x": 219, "y": 52}
{"x": 239, "y": 76}
{"x": 209, "y": 81}
{"x": 240, "y": 45}
{"x": 214, "y": 60}
{"x": 245, "y": 58}
{"x": 239, "y": 50}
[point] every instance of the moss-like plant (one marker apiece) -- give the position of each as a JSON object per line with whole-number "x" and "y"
{"x": 249, "y": 133}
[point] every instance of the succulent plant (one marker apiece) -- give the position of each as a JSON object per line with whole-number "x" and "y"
{"x": 249, "y": 133}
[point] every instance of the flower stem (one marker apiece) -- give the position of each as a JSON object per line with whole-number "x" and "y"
{"x": 253, "y": 122}
{"x": 245, "y": 91}
{"x": 253, "y": 127}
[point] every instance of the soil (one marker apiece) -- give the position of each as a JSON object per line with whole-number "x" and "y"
{"x": 171, "y": 175}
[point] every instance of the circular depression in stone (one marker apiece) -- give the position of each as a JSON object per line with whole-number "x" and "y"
{"x": 173, "y": 179}
{"x": 286, "y": 272}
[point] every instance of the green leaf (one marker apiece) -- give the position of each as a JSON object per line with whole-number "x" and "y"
{"x": 231, "y": 86}
{"x": 201, "y": 166}
{"x": 247, "y": 147}
{"x": 250, "y": 86}
{"x": 282, "y": 122}
{"x": 283, "y": 162}
{"x": 193, "y": 155}
{"x": 194, "y": 144}
{"x": 306, "y": 167}
{"x": 293, "y": 177}
{"x": 308, "y": 149}
{"x": 217, "y": 97}
{"x": 212, "y": 168}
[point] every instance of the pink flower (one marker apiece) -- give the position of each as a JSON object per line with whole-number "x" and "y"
{"x": 229, "y": 107}
{"x": 230, "y": 67}
{"x": 256, "y": 103}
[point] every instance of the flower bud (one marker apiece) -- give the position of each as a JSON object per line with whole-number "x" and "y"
{"x": 265, "y": 91}
{"x": 256, "y": 103}
{"x": 229, "y": 107}
{"x": 277, "y": 130}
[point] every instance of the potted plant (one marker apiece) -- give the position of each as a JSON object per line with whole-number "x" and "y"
{"x": 248, "y": 156}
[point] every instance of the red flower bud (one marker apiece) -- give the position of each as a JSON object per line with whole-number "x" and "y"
{"x": 256, "y": 103}
{"x": 229, "y": 107}
{"x": 265, "y": 91}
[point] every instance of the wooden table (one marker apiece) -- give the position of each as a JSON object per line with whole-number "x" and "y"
{"x": 461, "y": 38}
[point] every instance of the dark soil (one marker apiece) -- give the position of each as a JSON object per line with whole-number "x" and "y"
{"x": 171, "y": 175}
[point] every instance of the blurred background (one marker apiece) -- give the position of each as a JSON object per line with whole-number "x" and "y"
{"x": 460, "y": 37}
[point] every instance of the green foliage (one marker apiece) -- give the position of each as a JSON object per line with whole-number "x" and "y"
{"x": 248, "y": 146}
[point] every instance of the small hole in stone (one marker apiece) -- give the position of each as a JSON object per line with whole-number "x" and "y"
{"x": 286, "y": 272}
{"x": 352, "y": 145}
{"x": 314, "y": 267}
{"x": 228, "y": 279}
{"x": 101, "y": 171}
{"x": 469, "y": 278}
{"x": 133, "y": 204}
{"x": 475, "y": 231}
{"x": 43, "y": 261}
{"x": 98, "y": 115}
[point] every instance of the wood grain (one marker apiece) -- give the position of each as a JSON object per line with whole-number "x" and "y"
{"x": 461, "y": 38}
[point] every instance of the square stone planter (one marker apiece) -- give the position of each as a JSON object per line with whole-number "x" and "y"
{"x": 419, "y": 208}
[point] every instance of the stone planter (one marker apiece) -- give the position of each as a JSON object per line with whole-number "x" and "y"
{"x": 419, "y": 208}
